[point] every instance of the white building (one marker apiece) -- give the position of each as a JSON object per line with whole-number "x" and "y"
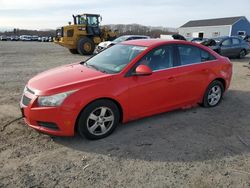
{"x": 210, "y": 28}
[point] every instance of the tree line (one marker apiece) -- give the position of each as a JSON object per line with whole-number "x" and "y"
{"x": 122, "y": 29}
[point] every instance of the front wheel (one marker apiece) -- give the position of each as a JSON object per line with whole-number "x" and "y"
{"x": 85, "y": 46}
{"x": 213, "y": 94}
{"x": 98, "y": 120}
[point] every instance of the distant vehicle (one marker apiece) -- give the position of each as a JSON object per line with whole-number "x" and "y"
{"x": 3, "y": 38}
{"x": 174, "y": 36}
{"x": 247, "y": 39}
{"x": 84, "y": 34}
{"x": 34, "y": 38}
{"x": 230, "y": 46}
{"x": 43, "y": 39}
{"x": 103, "y": 45}
{"x": 51, "y": 39}
{"x": 25, "y": 38}
{"x": 199, "y": 40}
{"x": 14, "y": 38}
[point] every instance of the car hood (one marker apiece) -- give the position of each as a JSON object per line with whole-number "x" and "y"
{"x": 64, "y": 78}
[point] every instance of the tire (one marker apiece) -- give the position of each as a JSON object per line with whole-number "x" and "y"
{"x": 98, "y": 120}
{"x": 213, "y": 94}
{"x": 242, "y": 54}
{"x": 73, "y": 51}
{"x": 85, "y": 46}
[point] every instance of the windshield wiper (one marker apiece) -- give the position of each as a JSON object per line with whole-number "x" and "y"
{"x": 94, "y": 67}
{"x": 91, "y": 66}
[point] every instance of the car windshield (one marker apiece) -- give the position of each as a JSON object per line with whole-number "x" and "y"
{"x": 121, "y": 39}
{"x": 114, "y": 59}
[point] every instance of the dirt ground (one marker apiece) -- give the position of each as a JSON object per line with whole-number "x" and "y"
{"x": 187, "y": 148}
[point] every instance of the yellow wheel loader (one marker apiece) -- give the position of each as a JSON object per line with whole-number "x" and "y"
{"x": 82, "y": 36}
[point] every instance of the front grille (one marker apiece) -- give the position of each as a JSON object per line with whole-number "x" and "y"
{"x": 26, "y": 100}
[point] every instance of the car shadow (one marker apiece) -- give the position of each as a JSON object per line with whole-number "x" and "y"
{"x": 196, "y": 134}
{"x": 243, "y": 60}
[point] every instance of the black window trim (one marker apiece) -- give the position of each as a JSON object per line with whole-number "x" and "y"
{"x": 177, "y": 61}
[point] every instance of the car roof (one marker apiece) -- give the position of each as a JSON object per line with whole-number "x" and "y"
{"x": 134, "y": 36}
{"x": 227, "y": 37}
{"x": 155, "y": 42}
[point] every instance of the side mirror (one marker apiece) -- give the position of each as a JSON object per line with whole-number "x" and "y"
{"x": 142, "y": 70}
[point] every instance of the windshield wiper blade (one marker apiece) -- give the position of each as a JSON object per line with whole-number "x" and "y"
{"x": 94, "y": 67}
{"x": 91, "y": 66}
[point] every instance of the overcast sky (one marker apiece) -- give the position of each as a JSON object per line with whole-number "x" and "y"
{"x": 45, "y": 14}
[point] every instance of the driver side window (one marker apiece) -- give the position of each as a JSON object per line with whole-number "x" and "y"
{"x": 159, "y": 58}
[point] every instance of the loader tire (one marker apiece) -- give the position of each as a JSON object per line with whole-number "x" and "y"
{"x": 85, "y": 46}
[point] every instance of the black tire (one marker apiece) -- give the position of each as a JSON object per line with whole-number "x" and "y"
{"x": 73, "y": 51}
{"x": 85, "y": 46}
{"x": 207, "y": 101}
{"x": 84, "y": 119}
{"x": 242, "y": 54}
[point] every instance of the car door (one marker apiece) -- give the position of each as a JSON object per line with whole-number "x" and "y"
{"x": 236, "y": 46}
{"x": 153, "y": 93}
{"x": 226, "y": 48}
{"x": 192, "y": 73}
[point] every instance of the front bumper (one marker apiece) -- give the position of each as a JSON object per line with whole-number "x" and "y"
{"x": 61, "y": 120}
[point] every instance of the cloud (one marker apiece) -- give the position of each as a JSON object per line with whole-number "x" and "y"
{"x": 173, "y": 13}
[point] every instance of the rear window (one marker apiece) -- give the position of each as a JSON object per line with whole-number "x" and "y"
{"x": 191, "y": 55}
{"x": 236, "y": 41}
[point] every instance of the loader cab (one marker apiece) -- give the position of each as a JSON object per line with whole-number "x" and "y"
{"x": 91, "y": 21}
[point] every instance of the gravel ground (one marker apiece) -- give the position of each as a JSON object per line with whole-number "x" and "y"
{"x": 187, "y": 148}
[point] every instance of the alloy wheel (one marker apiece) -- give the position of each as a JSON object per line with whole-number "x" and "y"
{"x": 100, "y": 121}
{"x": 214, "y": 95}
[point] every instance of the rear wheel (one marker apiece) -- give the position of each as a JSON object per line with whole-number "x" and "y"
{"x": 213, "y": 94}
{"x": 98, "y": 120}
{"x": 73, "y": 51}
{"x": 85, "y": 46}
{"x": 242, "y": 54}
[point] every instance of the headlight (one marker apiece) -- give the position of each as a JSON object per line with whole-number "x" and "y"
{"x": 53, "y": 100}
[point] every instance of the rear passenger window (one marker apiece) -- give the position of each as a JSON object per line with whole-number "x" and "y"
{"x": 236, "y": 41}
{"x": 189, "y": 54}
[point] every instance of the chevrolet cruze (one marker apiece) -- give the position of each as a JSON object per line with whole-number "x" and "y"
{"x": 130, "y": 80}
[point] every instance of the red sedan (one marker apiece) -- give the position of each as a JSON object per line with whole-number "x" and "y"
{"x": 128, "y": 81}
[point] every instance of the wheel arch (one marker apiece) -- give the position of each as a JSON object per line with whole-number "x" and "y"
{"x": 103, "y": 98}
{"x": 222, "y": 80}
